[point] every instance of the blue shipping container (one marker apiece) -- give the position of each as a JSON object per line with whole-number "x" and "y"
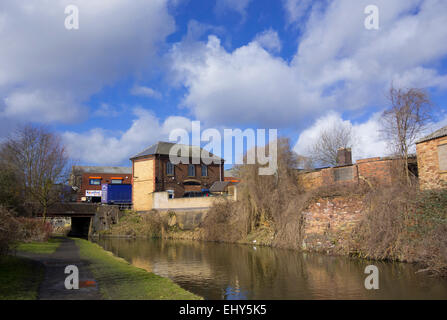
{"x": 116, "y": 193}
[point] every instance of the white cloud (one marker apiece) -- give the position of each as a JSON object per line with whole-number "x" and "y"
{"x": 145, "y": 91}
{"x": 106, "y": 110}
{"x": 48, "y": 72}
{"x": 98, "y": 146}
{"x": 296, "y": 9}
{"x": 245, "y": 86}
{"x": 269, "y": 40}
{"x": 339, "y": 65}
{"x": 239, "y": 6}
{"x": 368, "y": 139}
{"x": 41, "y": 105}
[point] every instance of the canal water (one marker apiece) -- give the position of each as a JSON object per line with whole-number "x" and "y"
{"x": 232, "y": 271}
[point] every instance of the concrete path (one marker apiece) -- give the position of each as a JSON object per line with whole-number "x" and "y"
{"x": 53, "y": 285}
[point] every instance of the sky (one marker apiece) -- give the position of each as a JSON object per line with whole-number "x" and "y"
{"x": 133, "y": 71}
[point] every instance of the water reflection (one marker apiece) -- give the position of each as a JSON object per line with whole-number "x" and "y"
{"x": 230, "y": 271}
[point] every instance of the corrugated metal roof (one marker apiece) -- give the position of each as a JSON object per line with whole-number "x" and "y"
{"x": 164, "y": 148}
{"x": 103, "y": 169}
{"x": 437, "y": 134}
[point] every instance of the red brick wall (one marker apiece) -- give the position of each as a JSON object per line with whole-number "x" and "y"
{"x": 329, "y": 223}
{"x": 430, "y": 176}
{"x": 164, "y": 182}
{"x": 375, "y": 170}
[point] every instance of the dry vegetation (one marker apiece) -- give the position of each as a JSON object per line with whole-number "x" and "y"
{"x": 273, "y": 203}
{"x": 15, "y": 229}
{"x": 399, "y": 221}
{"x": 405, "y": 224}
{"x": 151, "y": 225}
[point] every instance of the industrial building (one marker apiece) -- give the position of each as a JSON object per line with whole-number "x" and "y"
{"x": 88, "y": 180}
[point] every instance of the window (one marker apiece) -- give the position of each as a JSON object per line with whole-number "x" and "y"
{"x": 169, "y": 168}
{"x": 204, "y": 171}
{"x": 170, "y": 194}
{"x": 442, "y": 157}
{"x": 191, "y": 170}
{"x": 95, "y": 181}
{"x": 117, "y": 181}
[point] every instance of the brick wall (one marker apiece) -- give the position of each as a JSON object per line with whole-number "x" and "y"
{"x": 374, "y": 170}
{"x": 166, "y": 182}
{"x": 310, "y": 180}
{"x": 329, "y": 223}
{"x": 430, "y": 175}
{"x": 150, "y": 176}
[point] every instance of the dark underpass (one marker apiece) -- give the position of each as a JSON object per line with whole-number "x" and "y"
{"x": 80, "y": 213}
{"x": 79, "y": 227}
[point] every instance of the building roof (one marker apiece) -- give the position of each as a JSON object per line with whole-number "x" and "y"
{"x": 103, "y": 169}
{"x": 163, "y": 148}
{"x": 219, "y": 186}
{"x": 437, "y": 134}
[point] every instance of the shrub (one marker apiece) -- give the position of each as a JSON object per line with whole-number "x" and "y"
{"x": 223, "y": 223}
{"x": 34, "y": 229}
{"x": 15, "y": 229}
{"x": 405, "y": 224}
{"x": 151, "y": 225}
{"x": 9, "y": 230}
{"x": 271, "y": 200}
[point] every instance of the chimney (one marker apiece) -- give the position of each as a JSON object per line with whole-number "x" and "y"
{"x": 344, "y": 157}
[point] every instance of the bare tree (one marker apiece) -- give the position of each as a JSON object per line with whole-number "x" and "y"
{"x": 324, "y": 149}
{"x": 40, "y": 161}
{"x": 405, "y": 121}
{"x": 304, "y": 162}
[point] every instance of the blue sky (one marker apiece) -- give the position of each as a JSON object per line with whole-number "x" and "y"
{"x": 135, "y": 70}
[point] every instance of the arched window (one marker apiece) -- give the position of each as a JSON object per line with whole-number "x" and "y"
{"x": 191, "y": 170}
{"x": 169, "y": 168}
{"x": 204, "y": 170}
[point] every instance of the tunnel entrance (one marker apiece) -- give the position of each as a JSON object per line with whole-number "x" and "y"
{"x": 80, "y": 227}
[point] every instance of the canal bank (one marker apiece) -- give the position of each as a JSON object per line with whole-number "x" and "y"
{"x": 101, "y": 274}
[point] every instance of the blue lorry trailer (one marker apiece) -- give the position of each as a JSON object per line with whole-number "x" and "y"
{"x": 116, "y": 193}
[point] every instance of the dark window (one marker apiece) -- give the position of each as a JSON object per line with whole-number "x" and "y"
{"x": 117, "y": 181}
{"x": 191, "y": 170}
{"x": 95, "y": 182}
{"x": 204, "y": 171}
{"x": 169, "y": 168}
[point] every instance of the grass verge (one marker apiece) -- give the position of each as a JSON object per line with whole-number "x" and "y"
{"x": 20, "y": 278}
{"x": 40, "y": 247}
{"x": 119, "y": 280}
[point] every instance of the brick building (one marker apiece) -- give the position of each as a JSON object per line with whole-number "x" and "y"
{"x": 88, "y": 179}
{"x": 378, "y": 170}
{"x": 153, "y": 172}
{"x": 432, "y": 160}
